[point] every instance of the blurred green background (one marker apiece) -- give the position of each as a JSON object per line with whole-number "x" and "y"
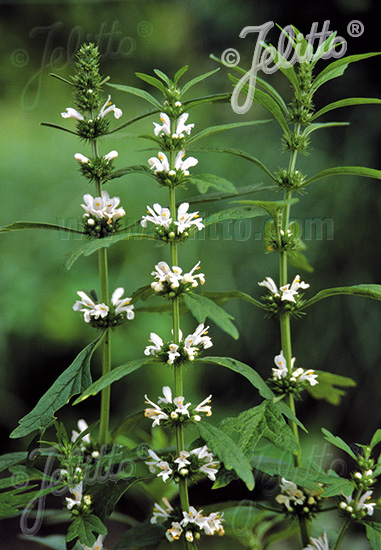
{"x": 39, "y": 332}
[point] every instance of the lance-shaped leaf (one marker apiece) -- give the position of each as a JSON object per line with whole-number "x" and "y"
{"x": 366, "y": 291}
{"x": 221, "y": 297}
{"x": 152, "y": 80}
{"x": 235, "y": 213}
{"x": 57, "y": 127}
{"x": 271, "y": 207}
{"x": 204, "y": 181}
{"x": 345, "y": 171}
{"x": 337, "y": 68}
{"x": 196, "y": 80}
{"x": 348, "y": 102}
{"x": 75, "y": 379}
{"x": 143, "y": 535}
{"x": 336, "y": 441}
{"x": 179, "y": 74}
{"x": 92, "y": 246}
{"x": 222, "y": 127}
{"x": 138, "y": 92}
{"x": 319, "y": 126}
{"x": 202, "y": 308}
{"x": 136, "y": 169}
{"x": 86, "y": 528}
{"x": 298, "y": 259}
{"x": 113, "y": 376}
{"x": 227, "y": 451}
{"x": 238, "y": 153}
{"x": 210, "y": 197}
{"x": 21, "y": 226}
{"x": 214, "y": 98}
{"x": 329, "y": 387}
{"x": 283, "y": 65}
{"x": 376, "y": 439}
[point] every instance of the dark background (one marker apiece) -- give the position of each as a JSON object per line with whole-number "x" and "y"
{"x": 39, "y": 181}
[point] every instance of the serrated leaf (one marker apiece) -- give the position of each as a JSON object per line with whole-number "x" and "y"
{"x": 75, "y": 379}
{"x": 238, "y": 153}
{"x": 373, "y": 534}
{"x": 366, "y": 291}
{"x": 83, "y": 528}
{"x": 136, "y": 91}
{"x": 92, "y": 246}
{"x": 337, "y": 68}
{"x": 20, "y": 226}
{"x": 227, "y": 451}
{"x": 142, "y": 535}
{"x": 222, "y": 127}
{"x": 10, "y": 459}
{"x": 222, "y": 297}
{"x": 203, "y": 308}
{"x": 336, "y": 441}
{"x": 204, "y": 181}
{"x": 235, "y": 213}
{"x": 112, "y": 376}
{"x": 343, "y": 171}
{"x": 348, "y": 102}
{"x": 326, "y": 388}
{"x": 105, "y": 495}
{"x": 278, "y": 467}
{"x": 196, "y": 80}
{"x": 241, "y": 368}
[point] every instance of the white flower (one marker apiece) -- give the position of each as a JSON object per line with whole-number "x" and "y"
{"x": 161, "y": 513}
{"x": 210, "y": 466}
{"x": 159, "y": 164}
{"x": 181, "y": 127}
{"x": 111, "y": 155}
{"x": 174, "y": 532}
{"x": 82, "y": 426}
{"x": 189, "y": 278}
{"x": 182, "y": 461}
{"x": 288, "y": 291}
{"x": 269, "y": 283}
{"x": 167, "y": 393}
{"x": 165, "y": 274}
{"x": 156, "y": 412}
{"x": 103, "y": 207}
{"x": 291, "y": 493}
{"x": 318, "y": 544}
{"x": 98, "y": 544}
{"x": 210, "y": 470}
{"x": 122, "y": 304}
{"x": 308, "y": 376}
{"x": 159, "y": 216}
{"x": 162, "y": 465}
{"x": 165, "y": 128}
{"x": 81, "y": 158}
{"x": 213, "y": 524}
{"x": 157, "y": 344}
{"x": 202, "y": 407}
{"x": 281, "y": 371}
{"x": 180, "y": 407}
{"x": 186, "y": 219}
{"x": 108, "y": 108}
{"x": 89, "y": 308}
{"x": 197, "y": 338}
{"x": 172, "y": 353}
{"x": 72, "y": 113}
{"x": 193, "y": 516}
{"x": 361, "y": 504}
{"x": 77, "y": 492}
{"x": 184, "y": 165}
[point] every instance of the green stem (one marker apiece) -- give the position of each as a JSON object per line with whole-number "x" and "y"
{"x": 106, "y": 344}
{"x": 341, "y": 534}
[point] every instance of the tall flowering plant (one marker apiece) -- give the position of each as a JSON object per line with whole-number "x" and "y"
{"x": 95, "y": 467}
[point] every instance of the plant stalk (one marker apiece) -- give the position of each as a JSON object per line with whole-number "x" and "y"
{"x": 339, "y": 540}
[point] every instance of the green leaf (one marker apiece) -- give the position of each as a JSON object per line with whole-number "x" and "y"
{"x": 238, "y": 153}
{"x": 326, "y": 388}
{"x": 210, "y": 197}
{"x": 83, "y": 528}
{"x": 152, "y": 80}
{"x": 373, "y": 534}
{"x": 297, "y": 259}
{"x": 366, "y": 291}
{"x": 142, "y": 293}
{"x": 337, "y": 68}
{"x": 221, "y": 297}
{"x": 243, "y": 369}
{"x": 235, "y": 213}
{"x": 106, "y": 495}
{"x": 127, "y": 425}
{"x": 345, "y": 170}
{"x": 318, "y": 126}
{"x": 137, "y": 169}
{"x": 136, "y": 91}
{"x": 227, "y": 451}
{"x": 196, "y": 80}
{"x": 142, "y": 535}
{"x": 215, "y": 98}
{"x": 264, "y": 99}
{"x": 336, "y": 441}
{"x": 179, "y": 74}
{"x": 271, "y": 207}
{"x": 262, "y": 421}
{"x": 75, "y": 379}
{"x": 222, "y": 127}
{"x": 20, "y": 226}
{"x": 283, "y": 65}
{"x": 112, "y": 376}
{"x": 163, "y": 76}
{"x": 376, "y": 439}
{"x": 201, "y": 308}
{"x": 57, "y": 127}
{"x": 303, "y": 477}
{"x": 204, "y": 181}
{"x": 55, "y": 542}
{"x": 346, "y": 103}
{"x": 92, "y": 246}
{"x": 10, "y": 459}
{"x": 134, "y": 119}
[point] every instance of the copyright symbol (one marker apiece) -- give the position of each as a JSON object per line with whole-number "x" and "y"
{"x": 230, "y": 57}
{"x": 20, "y": 58}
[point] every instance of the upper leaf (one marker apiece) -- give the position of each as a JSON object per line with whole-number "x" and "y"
{"x": 337, "y": 68}
{"x": 338, "y": 442}
{"x": 326, "y": 388}
{"x": 201, "y": 307}
{"x": 136, "y": 91}
{"x": 20, "y": 226}
{"x": 367, "y": 291}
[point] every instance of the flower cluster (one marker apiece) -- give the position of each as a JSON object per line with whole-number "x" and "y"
{"x": 100, "y": 315}
{"x": 318, "y": 544}
{"x": 189, "y": 524}
{"x": 173, "y": 283}
{"x": 175, "y": 411}
{"x": 301, "y": 502}
{"x": 173, "y": 140}
{"x": 80, "y": 501}
{"x": 357, "y": 508}
{"x": 169, "y": 230}
{"x": 168, "y": 176}
{"x": 186, "y": 350}
{"x": 96, "y": 167}
{"x": 283, "y": 381}
{"x": 188, "y": 464}
{"x": 285, "y": 299}
{"x": 101, "y": 214}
